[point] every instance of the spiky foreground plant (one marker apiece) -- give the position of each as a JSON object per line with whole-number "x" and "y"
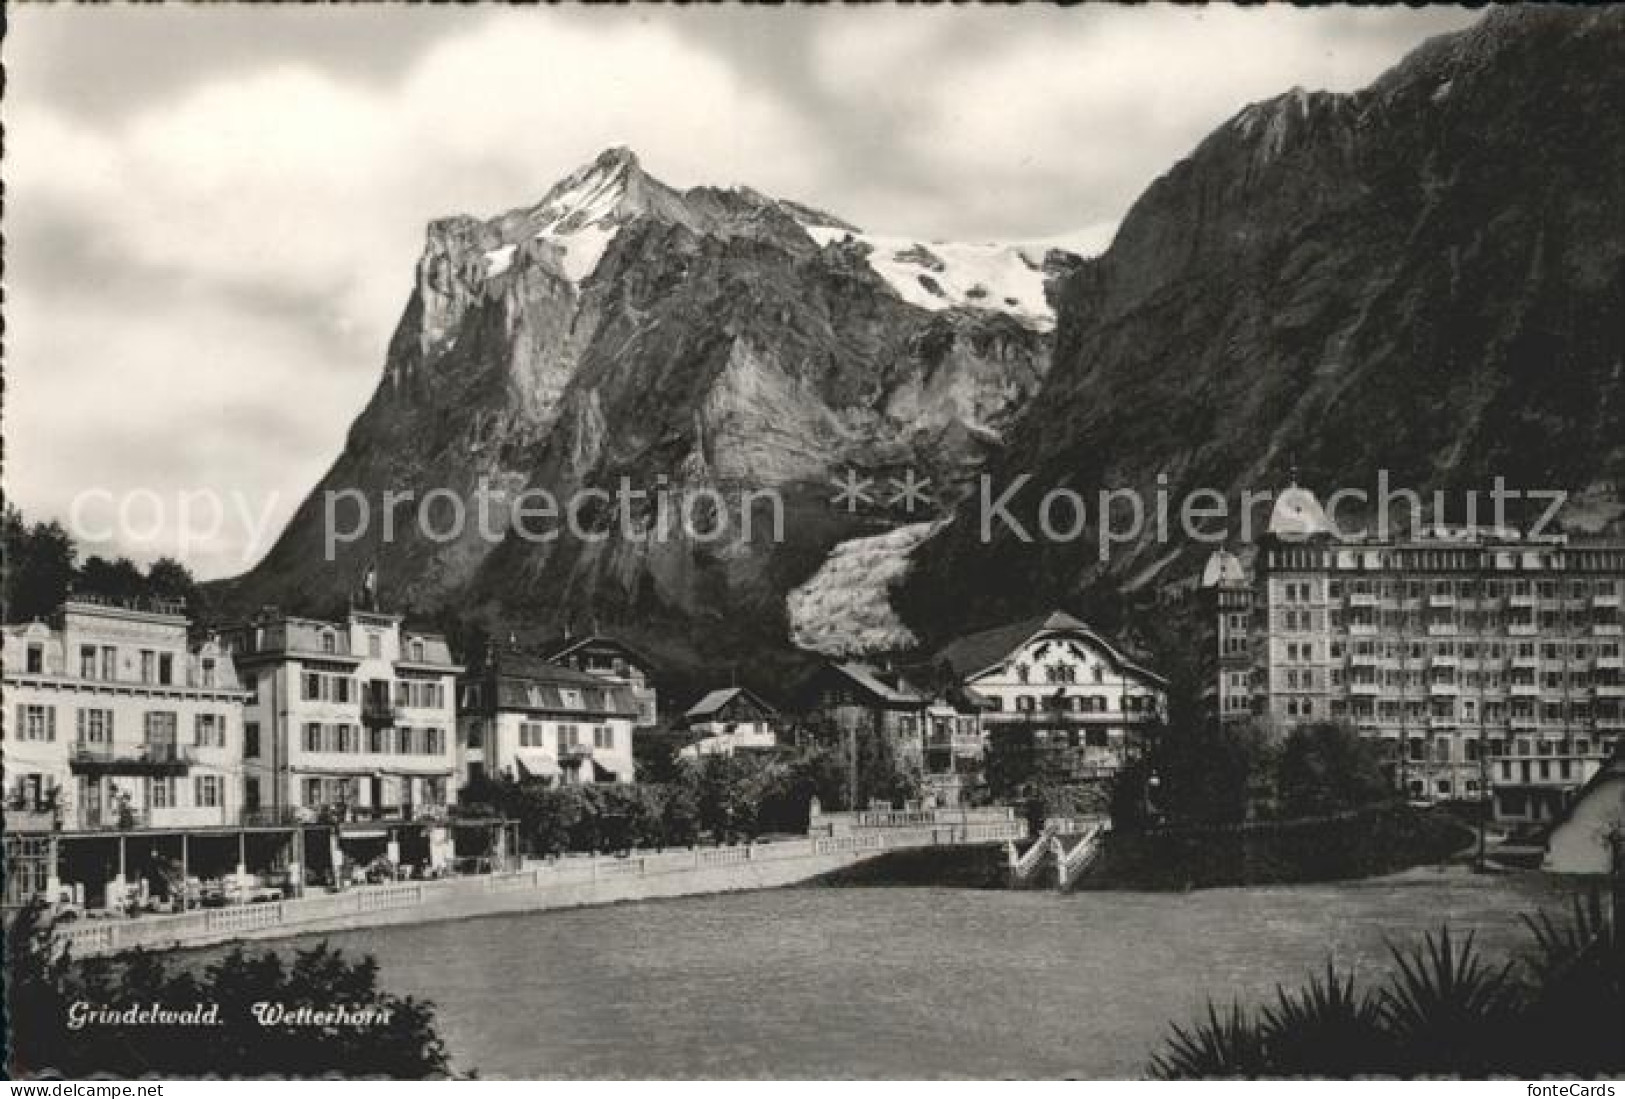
{"x": 1445, "y": 1010}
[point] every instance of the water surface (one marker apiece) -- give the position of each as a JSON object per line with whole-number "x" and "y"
{"x": 898, "y": 982}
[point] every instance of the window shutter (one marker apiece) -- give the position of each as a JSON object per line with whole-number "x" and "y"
{"x": 22, "y": 718}
{"x": 82, "y": 716}
{"x": 50, "y": 723}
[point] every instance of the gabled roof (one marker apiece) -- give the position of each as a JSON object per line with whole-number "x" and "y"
{"x": 562, "y": 647}
{"x": 716, "y": 700}
{"x": 976, "y": 653}
{"x": 875, "y": 682}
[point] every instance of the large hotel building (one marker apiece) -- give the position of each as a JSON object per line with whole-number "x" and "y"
{"x": 1482, "y": 663}
{"x": 351, "y": 720}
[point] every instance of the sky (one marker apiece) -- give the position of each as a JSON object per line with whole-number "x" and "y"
{"x": 213, "y": 212}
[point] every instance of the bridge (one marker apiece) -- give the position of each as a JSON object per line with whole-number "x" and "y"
{"x": 1067, "y": 846}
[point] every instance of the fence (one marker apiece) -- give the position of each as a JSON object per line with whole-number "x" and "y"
{"x": 294, "y": 915}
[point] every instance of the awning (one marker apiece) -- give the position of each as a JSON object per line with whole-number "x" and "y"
{"x": 536, "y": 763}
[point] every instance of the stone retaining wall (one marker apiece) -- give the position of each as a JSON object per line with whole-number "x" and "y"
{"x": 562, "y": 883}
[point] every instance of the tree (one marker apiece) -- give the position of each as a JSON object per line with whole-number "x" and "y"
{"x": 44, "y": 984}
{"x": 1327, "y": 768}
{"x": 170, "y": 580}
{"x": 39, "y": 566}
{"x": 119, "y": 579}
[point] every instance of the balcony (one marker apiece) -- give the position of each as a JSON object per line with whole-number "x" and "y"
{"x": 1615, "y": 662}
{"x": 1525, "y": 690}
{"x": 1444, "y": 660}
{"x": 1365, "y": 689}
{"x": 1609, "y": 690}
{"x": 1363, "y": 629}
{"x": 1437, "y": 600}
{"x": 1362, "y": 599}
{"x": 1520, "y": 600}
{"x": 1606, "y": 602}
{"x": 147, "y": 759}
{"x": 377, "y": 712}
{"x": 1442, "y": 688}
{"x": 575, "y": 753}
{"x": 1442, "y": 629}
{"x": 1522, "y": 629}
{"x": 1607, "y": 629}
{"x": 1526, "y": 662}
{"x": 106, "y": 819}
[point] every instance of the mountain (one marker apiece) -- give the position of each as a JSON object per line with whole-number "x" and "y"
{"x": 1425, "y": 277}
{"x": 696, "y": 341}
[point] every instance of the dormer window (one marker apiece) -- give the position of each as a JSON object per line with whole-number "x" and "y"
{"x": 417, "y": 650}
{"x": 36, "y": 659}
{"x": 330, "y": 643}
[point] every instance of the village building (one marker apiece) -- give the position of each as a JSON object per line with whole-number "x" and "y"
{"x": 1056, "y": 690}
{"x": 346, "y": 721}
{"x": 524, "y": 718}
{"x": 1480, "y": 662}
{"x": 729, "y": 720}
{"x": 118, "y": 721}
{"x": 118, "y": 726}
{"x": 933, "y": 736}
{"x": 614, "y": 660}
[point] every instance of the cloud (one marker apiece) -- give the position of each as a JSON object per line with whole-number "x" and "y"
{"x": 211, "y": 242}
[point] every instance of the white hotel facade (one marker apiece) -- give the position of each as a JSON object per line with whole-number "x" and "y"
{"x": 346, "y": 721}
{"x": 116, "y": 721}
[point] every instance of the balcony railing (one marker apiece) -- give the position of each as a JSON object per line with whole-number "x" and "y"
{"x": 574, "y": 753}
{"x": 146, "y": 759}
{"x": 377, "y": 712}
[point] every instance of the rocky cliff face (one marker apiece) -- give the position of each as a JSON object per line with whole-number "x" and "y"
{"x": 705, "y": 340}
{"x": 1423, "y": 277}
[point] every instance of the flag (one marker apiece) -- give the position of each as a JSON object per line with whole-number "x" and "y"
{"x": 369, "y": 585}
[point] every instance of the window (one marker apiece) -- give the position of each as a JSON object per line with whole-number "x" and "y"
{"x": 161, "y": 793}
{"x": 87, "y": 662}
{"x": 417, "y": 650}
{"x": 36, "y": 659}
{"x": 530, "y": 734}
{"x": 435, "y": 742}
{"x": 313, "y": 737}
{"x": 208, "y": 792}
{"x": 330, "y": 643}
{"x": 160, "y": 727}
{"x": 251, "y": 793}
{"x": 37, "y": 722}
{"x": 603, "y": 737}
{"x": 251, "y": 739}
{"x": 166, "y": 668}
{"x": 209, "y": 731}
{"x": 208, "y": 671}
{"x": 569, "y": 736}
{"x": 375, "y": 645}
{"x": 313, "y": 791}
{"x": 95, "y": 726}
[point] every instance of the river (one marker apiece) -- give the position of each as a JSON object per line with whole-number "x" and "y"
{"x": 898, "y": 982}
